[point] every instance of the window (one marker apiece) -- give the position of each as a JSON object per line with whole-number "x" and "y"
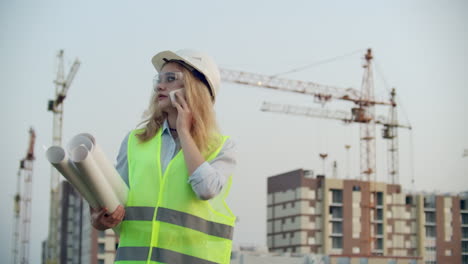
{"x": 465, "y": 259}
{"x": 465, "y": 246}
{"x": 464, "y": 219}
{"x": 465, "y": 232}
{"x": 337, "y": 196}
{"x": 409, "y": 200}
{"x": 336, "y": 212}
{"x": 379, "y": 243}
{"x": 356, "y": 188}
{"x": 379, "y": 229}
{"x": 379, "y": 214}
{"x": 430, "y": 231}
{"x": 430, "y": 217}
{"x": 101, "y": 248}
{"x": 463, "y": 205}
{"x": 337, "y": 242}
{"x": 343, "y": 260}
{"x": 337, "y": 228}
{"x": 429, "y": 202}
{"x": 379, "y": 198}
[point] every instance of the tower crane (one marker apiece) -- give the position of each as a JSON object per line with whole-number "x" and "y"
{"x": 22, "y": 208}
{"x": 363, "y": 113}
{"x": 62, "y": 84}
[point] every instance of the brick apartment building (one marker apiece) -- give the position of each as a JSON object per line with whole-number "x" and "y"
{"x": 360, "y": 219}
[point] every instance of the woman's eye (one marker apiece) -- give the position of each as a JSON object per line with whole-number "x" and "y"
{"x": 171, "y": 78}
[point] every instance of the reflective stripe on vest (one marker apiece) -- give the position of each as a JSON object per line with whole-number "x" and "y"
{"x": 158, "y": 254}
{"x": 136, "y": 213}
{"x": 139, "y": 213}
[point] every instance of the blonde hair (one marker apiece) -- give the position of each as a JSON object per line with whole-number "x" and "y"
{"x": 205, "y": 131}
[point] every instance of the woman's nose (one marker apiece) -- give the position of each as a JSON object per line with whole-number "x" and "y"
{"x": 160, "y": 87}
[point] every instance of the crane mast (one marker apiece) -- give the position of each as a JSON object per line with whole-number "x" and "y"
{"x": 16, "y": 219}
{"x": 366, "y": 112}
{"x": 56, "y": 107}
{"x": 390, "y": 132}
{"x": 22, "y": 208}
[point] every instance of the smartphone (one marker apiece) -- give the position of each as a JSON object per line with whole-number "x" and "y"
{"x": 172, "y": 94}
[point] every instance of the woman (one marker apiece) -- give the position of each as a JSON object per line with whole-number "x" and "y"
{"x": 176, "y": 210}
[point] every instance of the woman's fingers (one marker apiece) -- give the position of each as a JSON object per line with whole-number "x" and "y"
{"x": 116, "y": 217}
{"x": 119, "y": 213}
{"x": 101, "y": 213}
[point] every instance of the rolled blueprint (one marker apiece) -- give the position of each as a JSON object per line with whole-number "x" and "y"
{"x": 113, "y": 177}
{"x": 92, "y": 174}
{"x": 58, "y": 158}
{"x": 80, "y": 139}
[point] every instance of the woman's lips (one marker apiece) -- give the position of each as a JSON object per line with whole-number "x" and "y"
{"x": 161, "y": 96}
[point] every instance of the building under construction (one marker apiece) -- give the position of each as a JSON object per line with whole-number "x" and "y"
{"x": 78, "y": 241}
{"x": 353, "y": 219}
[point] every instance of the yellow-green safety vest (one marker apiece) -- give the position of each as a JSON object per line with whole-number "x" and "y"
{"x": 164, "y": 220}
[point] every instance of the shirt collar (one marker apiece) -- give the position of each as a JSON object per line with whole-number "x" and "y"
{"x": 166, "y": 127}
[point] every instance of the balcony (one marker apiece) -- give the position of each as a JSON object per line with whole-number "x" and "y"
{"x": 377, "y": 221}
{"x": 429, "y": 209}
{"x": 336, "y": 204}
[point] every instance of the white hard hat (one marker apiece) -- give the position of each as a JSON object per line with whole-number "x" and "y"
{"x": 199, "y": 61}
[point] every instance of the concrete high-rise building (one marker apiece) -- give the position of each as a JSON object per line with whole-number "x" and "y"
{"x": 70, "y": 225}
{"x": 445, "y": 224}
{"x": 464, "y": 226}
{"x": 353, "y": 218}
{"x": 79, "y": 242}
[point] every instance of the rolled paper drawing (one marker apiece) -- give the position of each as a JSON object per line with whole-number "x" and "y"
{"x": 58, "y": 158}
{"x": 92, "y": 174}
{"x": 78, "y": 140}
{"x": 108, "y": 170}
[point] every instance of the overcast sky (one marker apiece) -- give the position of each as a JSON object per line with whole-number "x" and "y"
{"x": 420, "y": 48}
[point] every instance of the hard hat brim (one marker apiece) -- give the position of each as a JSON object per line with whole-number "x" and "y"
{"x": 162, "y": 57}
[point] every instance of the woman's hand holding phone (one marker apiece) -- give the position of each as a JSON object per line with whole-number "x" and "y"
{"x": 184, "y": 114}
